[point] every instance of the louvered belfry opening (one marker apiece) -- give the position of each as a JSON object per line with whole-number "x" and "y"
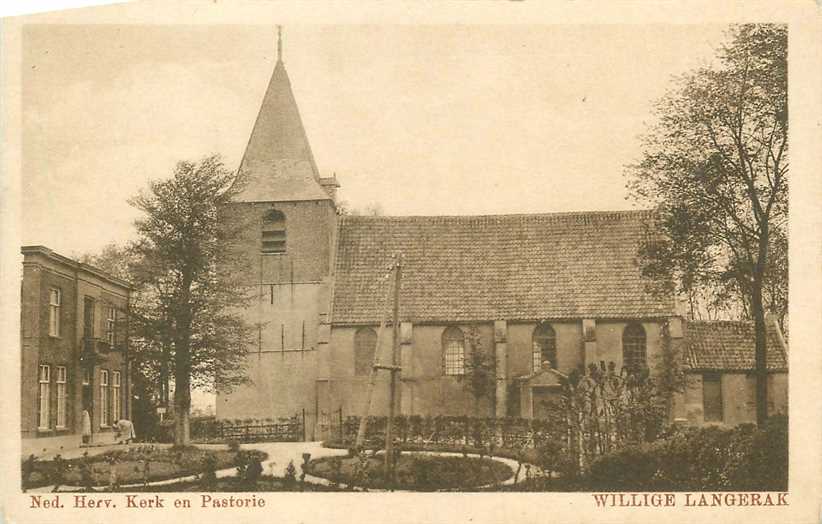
{"x": 273, "y": 234}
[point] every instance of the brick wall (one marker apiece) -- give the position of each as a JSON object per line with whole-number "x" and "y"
{"x": 291, "y": 291}
{"x": 433, "y": 393}
{"x": 42, "y": 272}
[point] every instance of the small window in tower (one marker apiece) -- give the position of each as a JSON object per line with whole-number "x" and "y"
{"x": 273, "y": 235}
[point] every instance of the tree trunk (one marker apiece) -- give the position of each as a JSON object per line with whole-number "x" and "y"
{"x": 164, "y": 378}
{"x": 182, "y": 369}
{"x": 182, "y": 401}
{"x": 760, "y": 347}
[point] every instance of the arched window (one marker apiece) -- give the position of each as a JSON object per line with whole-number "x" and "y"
{"x": 453, "y": 347}
{"x": 365, "y": 344}
{"x": 633, "y": 347}
{"x": 544, "y": 346}
{"x": 273, "y": 234}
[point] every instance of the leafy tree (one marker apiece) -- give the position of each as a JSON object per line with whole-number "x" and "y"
{"x": 189, "y": 271}
{"x": 114, "y": 259}
{"x": 715, "y": 166}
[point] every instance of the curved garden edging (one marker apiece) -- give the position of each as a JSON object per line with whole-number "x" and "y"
{"x": 280, "y": 454}
{"x": 512, "y": 464}
{"x": 225, "y": 472}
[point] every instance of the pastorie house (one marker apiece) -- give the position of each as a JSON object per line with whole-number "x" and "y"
{"x": 545, "y": 293}
{"x": 74, "y": 352}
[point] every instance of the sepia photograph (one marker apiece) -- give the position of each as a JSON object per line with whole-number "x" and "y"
{"x": 546, "y": 258}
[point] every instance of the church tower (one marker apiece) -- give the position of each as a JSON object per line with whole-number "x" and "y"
{"x": 292, "y": 220}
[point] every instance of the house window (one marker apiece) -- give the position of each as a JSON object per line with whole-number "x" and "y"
{"x": 633, "y": 347}
{"x": 111, "y": 322}
{"x": 712, "y": 397}
{"x": 544, "y": 346}
{"x": 365, "y": 345}
{"x": 55, "y": 300}
{"x": 104, "y": 412}
{"x": 453, "y": 343}
{"x": 86, "y": 376}
{"x": 273, "y": 234}
{"x": 116, "y": 405}
{"x": 43, "y": 398}
{"x": 61, "y": 396}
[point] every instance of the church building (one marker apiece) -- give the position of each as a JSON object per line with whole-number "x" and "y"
{"x": 543, "y": 293}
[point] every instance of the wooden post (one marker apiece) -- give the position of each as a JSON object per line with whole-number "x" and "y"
{"x": 395, "y": 351}
{"x": 342, "y": 434}
{"x": 303, "y": 424}
{"x": 372, "y": 381}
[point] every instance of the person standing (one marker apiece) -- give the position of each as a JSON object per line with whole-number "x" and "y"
{"x": 86, "y": 423}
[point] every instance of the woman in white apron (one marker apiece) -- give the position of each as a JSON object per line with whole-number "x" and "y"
{"x": 86, "y": 427}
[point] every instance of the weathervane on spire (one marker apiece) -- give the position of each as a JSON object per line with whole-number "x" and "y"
{"x": 279, "y": 43}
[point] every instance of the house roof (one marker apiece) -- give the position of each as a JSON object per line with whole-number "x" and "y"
{"x": 729, "y": 346}
{"x": 30, "y": 251}
{"x": 278, "y": 164}
{"x": 479, "y": 268}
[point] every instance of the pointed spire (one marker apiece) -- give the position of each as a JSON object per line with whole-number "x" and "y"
{"x": 278, "y": 164}
{"x": 279, "y": 43}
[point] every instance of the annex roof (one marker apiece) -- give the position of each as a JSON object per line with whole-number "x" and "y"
{"x": 480, "y": 268}
{"x": 729, "y": 346}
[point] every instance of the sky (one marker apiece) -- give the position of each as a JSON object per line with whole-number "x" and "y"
{"x": 445, "y": 119}
{"x": 418, "y": 120}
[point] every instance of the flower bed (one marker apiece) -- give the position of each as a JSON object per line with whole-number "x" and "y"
{"x": 130, "y": 465}
{"x": 413, "y": 471}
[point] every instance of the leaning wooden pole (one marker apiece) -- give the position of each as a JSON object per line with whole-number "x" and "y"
{"x": 372, "y": 381}
{"x": 395, "y": 369}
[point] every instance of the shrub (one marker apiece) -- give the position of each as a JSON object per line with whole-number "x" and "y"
{"x": 707, "y": 459}
{"x": 631, "y": 468}
{"x": 208, "y": 478}
{"x": 290, "y": 474}
{"x": 253, "y": 471}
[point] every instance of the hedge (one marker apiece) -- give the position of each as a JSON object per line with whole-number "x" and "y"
{"x": 700, "y": 459}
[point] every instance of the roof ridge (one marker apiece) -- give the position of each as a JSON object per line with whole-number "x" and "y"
{"x": 721, "y": 321}
{"x": 558, "y": 215}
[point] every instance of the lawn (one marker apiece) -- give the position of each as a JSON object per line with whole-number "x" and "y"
{"x": 414, "y": 471}
{"x": 130, "y": 465}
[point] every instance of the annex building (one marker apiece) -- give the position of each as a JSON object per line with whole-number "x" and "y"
{"x": 541, "y": 292}
{"x": 74, "y": 352}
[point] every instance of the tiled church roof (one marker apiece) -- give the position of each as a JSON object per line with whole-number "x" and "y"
{"x": 729, "y": 345}
{"x": 471, "y": 268}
